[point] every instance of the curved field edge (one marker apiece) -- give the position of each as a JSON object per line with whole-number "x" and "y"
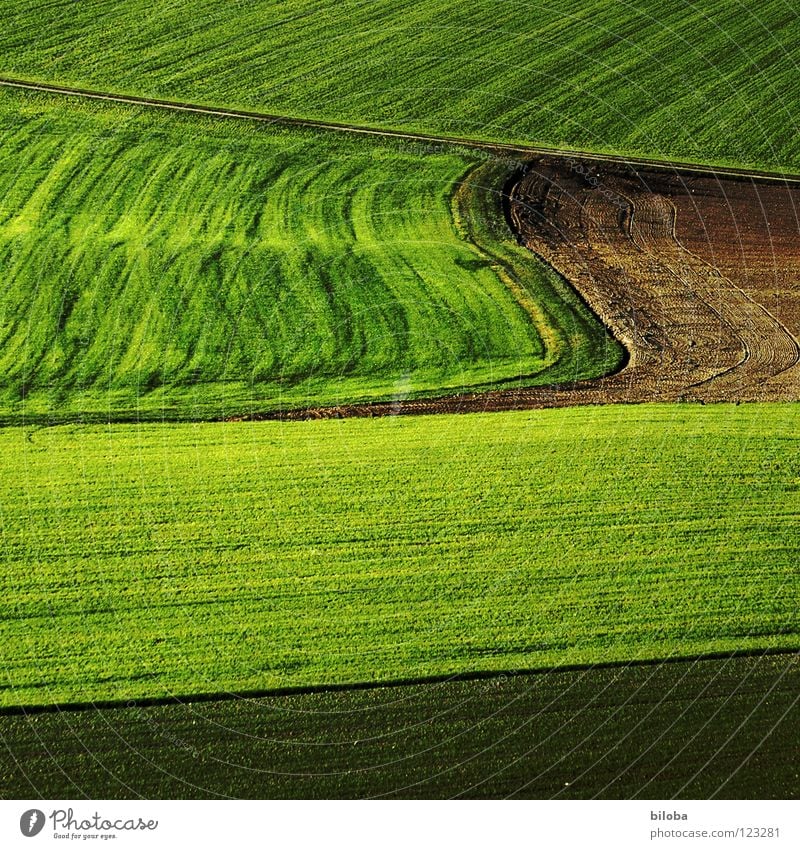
{"x": 143, "y": 562}
{"x": 692, "y": 729}
{"x": 675, "y": 264}
{"x": 321, "y": 270}
{"x": 578, "y": 346}
{"x": 706, "y": 81}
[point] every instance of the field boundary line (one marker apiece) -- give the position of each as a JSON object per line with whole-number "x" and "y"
{"x": 310, "y": 689}
{"x": 455, "y": 141}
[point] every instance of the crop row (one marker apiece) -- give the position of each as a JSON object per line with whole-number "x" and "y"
{"x": 711, "y": 80}
{"x": 723, "y": 727}
{"x": 157, "y": 265}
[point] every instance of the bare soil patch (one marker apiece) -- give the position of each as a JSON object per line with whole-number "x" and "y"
{"x": 695, "y": 271}
{"x": 696, "y": 275}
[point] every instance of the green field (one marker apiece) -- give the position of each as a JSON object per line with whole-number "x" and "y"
{"x": 148, "y": 561}
{"x": 711, "y": 81}
{"x": 169, "y": 266}
{"x": 720, "y": 728}
{"x": 163, "y": 271}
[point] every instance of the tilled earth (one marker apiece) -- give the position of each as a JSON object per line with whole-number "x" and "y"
{"x": 696, "y": 274}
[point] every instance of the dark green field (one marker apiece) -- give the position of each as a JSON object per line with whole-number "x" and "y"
{"x": 708, "y": 81}
{"x": 698, "y": 729}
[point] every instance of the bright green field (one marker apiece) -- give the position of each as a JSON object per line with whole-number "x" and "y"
{"x": 147, "y": 560}
{"x": 709, "y": 80}
{"x": 168, "y": 266}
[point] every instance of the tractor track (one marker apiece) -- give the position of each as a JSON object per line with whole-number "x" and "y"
{"x": 706, "y": 304}
{"x": 473, "y": 144}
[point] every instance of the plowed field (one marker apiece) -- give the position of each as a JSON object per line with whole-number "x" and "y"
{"x": 696, "y": 275}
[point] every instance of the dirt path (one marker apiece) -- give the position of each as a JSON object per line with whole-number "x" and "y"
{"x": 496, "y": 148}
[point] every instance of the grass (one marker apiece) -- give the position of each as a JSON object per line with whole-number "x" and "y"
{"x": 150, "y": 560}
{"x": 693, "y": 730}
{"x": 160, "y": 266}
{"x": 709, "y": 80}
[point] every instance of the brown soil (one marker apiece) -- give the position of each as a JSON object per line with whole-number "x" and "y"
{"x": 695, "y": 271}
{"x": 696, "y": 274}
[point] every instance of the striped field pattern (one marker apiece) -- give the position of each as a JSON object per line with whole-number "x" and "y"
{"x": 709, "y": 80}
{"x": 203, "y": 558}
{"x": 166, "y": 266}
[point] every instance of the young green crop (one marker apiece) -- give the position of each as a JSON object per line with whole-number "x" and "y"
{"x": 169, "y": 266}
{"x": 708, "y": 80}
{"x": 149, "y": 560}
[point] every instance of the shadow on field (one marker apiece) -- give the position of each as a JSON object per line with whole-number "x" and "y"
{"x": 721, "y": 728}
